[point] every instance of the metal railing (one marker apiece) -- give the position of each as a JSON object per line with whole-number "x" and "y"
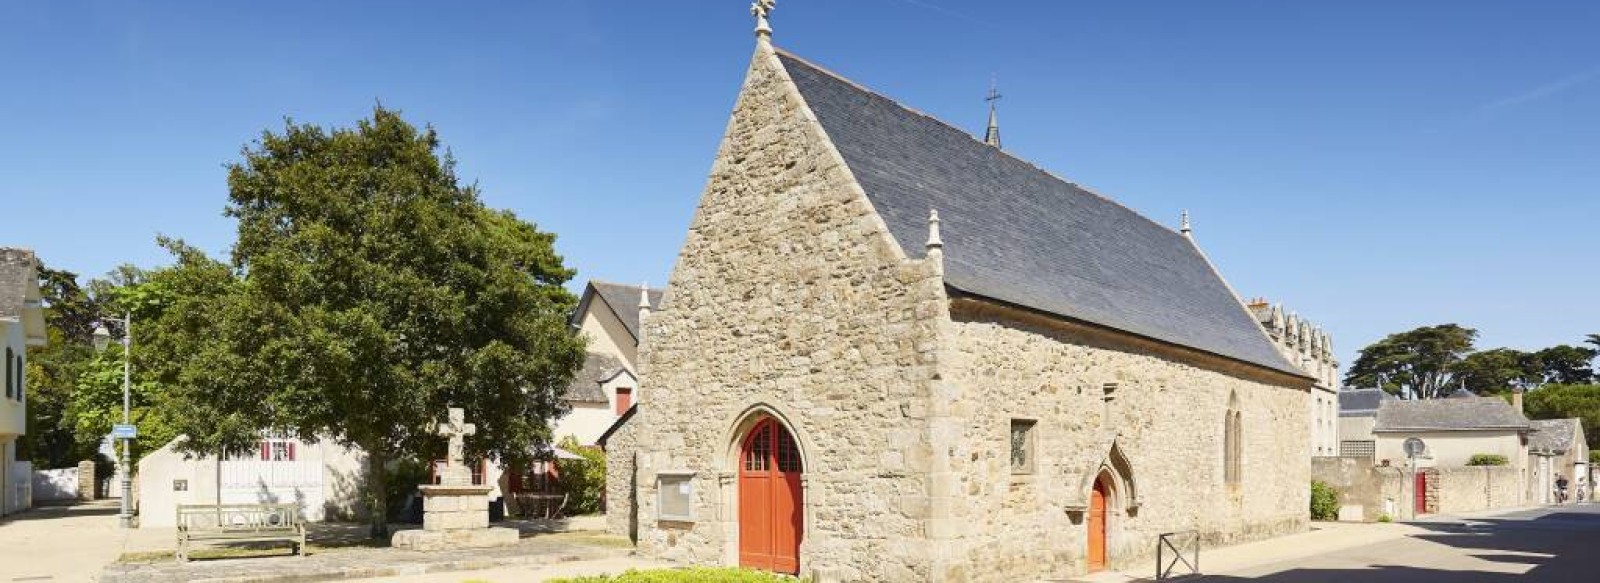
{"x": 1170, "y": 554}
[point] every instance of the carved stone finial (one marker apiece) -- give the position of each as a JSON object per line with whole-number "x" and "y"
{"x": 934, "y": 241}
{"x": 760, "y": 9}
{"x": 644, "y": 297}
{"x": 1183, "y": 223}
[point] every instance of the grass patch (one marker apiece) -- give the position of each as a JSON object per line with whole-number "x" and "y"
{"x": 694, "y": 575}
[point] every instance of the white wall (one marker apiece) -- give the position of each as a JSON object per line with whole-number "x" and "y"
{"x": 59, "y": 484}
{"x": 323, "y": 477}
{"x": 13, "y": 413}
{"x": 1452, "y": 448}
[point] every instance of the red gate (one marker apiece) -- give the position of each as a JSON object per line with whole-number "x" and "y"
{"x": 1421, "y": 487}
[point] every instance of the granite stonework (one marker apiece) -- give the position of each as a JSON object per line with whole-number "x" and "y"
{"x": 455, "y": 513}
{"x": 791, "y": 299}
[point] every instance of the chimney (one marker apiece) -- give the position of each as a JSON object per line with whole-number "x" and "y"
{"x": 1516, "y": 398}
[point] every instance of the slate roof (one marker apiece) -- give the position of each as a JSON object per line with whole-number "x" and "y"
{"x": 585, "y": 385}
{"x": 624, "y": 301}
{"x": 1552, "y": 435}
{"x": 17, "y": 270}
{"x": 1361, "y": 402}
{"x": 1020, "y": 235}
{"x": 1455, "y": 414}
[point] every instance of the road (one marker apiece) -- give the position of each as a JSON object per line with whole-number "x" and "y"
{"x": 1555, "y": 544}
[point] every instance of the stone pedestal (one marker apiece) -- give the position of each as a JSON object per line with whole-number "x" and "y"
{"x": 454, "y": 517}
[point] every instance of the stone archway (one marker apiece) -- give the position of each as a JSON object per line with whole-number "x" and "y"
{"x": 1098, "y": 523}
{"x": 771, "y": 498}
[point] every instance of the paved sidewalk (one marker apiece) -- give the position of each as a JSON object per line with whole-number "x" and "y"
{"x": 537, "y": 551}
{"x": 532, "y": 575}
{"x": 61, "y": 543}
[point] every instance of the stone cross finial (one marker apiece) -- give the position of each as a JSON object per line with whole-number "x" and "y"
{"x": 457, "y": 429}
{"x": 760, "y": 9}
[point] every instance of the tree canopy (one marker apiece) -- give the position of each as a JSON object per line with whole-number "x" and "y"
{"x": 1418, "y": 363}
{"x": 1563, "y": 401}
{"x": 368, "y": 291}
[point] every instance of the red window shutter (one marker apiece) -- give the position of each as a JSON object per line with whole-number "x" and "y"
{"x": 291, "y": 451}
{"x": 266, "y": 451}
{"x": 624, "y": 399}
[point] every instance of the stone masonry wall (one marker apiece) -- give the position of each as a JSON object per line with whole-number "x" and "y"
{"x": 1477, "y": 488}
{"x": 1169, "y": 416}
{"x": 621, "y": 448}
{"x": 790, "y": 296}
{"x": 1361, "y": 485}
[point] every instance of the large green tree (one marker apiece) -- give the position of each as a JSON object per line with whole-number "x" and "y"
{"x": 373, "y": 290}
{"x": 1566, "y": 364}
{"x": 1562, "y": 401}
{"x": 1419, "y": 363}
{"x": 1498, "y": 370}
{"x": 53, "y": 372}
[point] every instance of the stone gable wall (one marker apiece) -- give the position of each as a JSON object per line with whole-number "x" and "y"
{"x": 789, "y": 293}
{"x": 1168, "y": 415}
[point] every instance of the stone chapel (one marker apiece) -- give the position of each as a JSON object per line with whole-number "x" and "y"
{"x": 889, "y": 351}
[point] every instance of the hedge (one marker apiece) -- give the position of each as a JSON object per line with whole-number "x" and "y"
{"x": 1487, "y": 459}
{"x": 1324, "y": 501}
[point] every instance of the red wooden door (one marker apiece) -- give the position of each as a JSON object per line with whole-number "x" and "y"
{"x": 1097, "y": 527}
{"x": 1421, "y": 493}
{"x": 770, "y": 503}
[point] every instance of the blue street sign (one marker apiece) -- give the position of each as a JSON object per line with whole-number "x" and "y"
{"x": 121, "y": 431}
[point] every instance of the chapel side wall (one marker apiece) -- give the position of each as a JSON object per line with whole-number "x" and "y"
{"x": 1170, "y": 417}
{"x": 789, "y": 293}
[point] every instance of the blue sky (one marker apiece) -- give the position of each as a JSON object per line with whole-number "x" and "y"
{"x": 1374, "y": 165}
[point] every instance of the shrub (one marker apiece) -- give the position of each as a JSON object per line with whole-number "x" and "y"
{"x": 1385, "y": 518}
{"x": 1324, "y": 501}
{"x": 695, "y": 575}
{"x": 584, "y": 480}
{"x": 1487, "y": 459}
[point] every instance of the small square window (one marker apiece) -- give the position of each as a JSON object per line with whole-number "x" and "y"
{"x": 180, "y": 485}
{"x": 676, "y": 495}
{"x": 1022, "y": 448}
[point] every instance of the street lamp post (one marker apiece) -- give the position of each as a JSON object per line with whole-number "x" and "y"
{"x": 102, "y": 339}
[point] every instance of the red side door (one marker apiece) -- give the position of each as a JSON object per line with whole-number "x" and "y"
{"x": 771, "y": 505}
{"x": 1097, "y": 527}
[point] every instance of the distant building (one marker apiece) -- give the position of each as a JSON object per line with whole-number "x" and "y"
{"x": 21, "y": 325}
{"x": 1358, "y": 413}
{"x": 608, "y": 384}
{"x": 1557, "y": 449}
{"x": 1307, "y": 346}
{"x": 1454, "y": 429}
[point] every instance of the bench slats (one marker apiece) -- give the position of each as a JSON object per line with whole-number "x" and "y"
{"x": 240, "y": 523}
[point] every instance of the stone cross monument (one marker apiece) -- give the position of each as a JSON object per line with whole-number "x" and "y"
{"x": 455, "y": 513}
{"x": 456, "y": 472}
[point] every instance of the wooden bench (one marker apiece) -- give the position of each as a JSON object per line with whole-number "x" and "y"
{"x": 239, "y": 523}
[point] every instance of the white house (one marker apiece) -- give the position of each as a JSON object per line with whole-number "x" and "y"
{"x": 608, "y": 316}
{"x": 21, "y": 325}
{"x": 324, "y": 478}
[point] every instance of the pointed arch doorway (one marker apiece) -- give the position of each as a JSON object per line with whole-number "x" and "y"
{"x": 771, "y": 503}
{"x": 1099, "y": 502}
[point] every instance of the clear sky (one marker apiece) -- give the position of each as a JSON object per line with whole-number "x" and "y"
{"x": 1374, "y": 165}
